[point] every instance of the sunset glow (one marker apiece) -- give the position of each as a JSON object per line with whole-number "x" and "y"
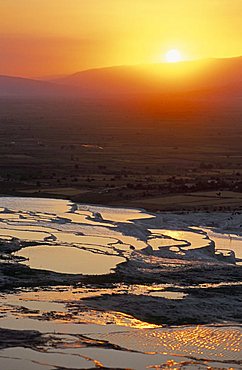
{"x": 173, "y": 56}
{"x": 41, "y": 38}
{"x": 120, "y": 184}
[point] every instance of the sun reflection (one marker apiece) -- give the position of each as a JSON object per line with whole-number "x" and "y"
{"x": 207, "y": 342}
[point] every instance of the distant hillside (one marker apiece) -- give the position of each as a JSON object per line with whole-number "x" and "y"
{"x": 210, "y": 76}
{"x": 23, "y": 87}
{"x": 215, "y": 78}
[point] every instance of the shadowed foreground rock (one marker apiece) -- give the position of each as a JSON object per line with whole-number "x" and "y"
{"x": 17, "y": 338}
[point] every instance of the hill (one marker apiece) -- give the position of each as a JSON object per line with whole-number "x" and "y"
{"x": 174, "y": 78}
{"x": 17, "y": 87}
{"x": 206, "y": 80}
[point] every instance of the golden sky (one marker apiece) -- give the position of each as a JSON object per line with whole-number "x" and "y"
{"x": 51, "y": 37}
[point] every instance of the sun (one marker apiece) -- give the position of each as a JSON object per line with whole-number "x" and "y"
{"x": 173, "y": 56}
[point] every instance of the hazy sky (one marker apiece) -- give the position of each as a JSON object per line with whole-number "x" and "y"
{"x": 49, "y": 37}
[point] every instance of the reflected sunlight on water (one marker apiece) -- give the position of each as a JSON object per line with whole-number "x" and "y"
{"x": 82, "y": 239}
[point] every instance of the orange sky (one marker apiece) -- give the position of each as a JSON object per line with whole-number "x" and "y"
{"x": 51, "y": 37}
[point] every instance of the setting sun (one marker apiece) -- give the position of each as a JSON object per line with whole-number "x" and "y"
{"x": 173, "y": 56}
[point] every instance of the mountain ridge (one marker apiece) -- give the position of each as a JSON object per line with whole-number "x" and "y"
{"x": 217, "y": 76}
